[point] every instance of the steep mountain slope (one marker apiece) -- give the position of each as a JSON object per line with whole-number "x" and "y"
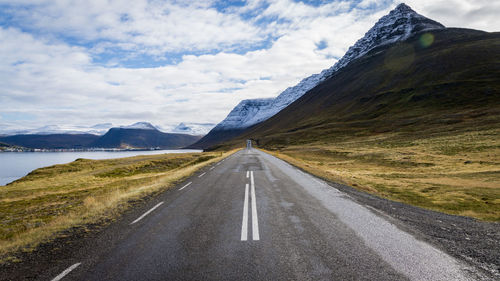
{"x": 54, "y": 141}
{"x": 243, "y": 113}
{"x": 411, "y": 87}
{"x": 398, "y": 25}
{"x": 143, "y": 137}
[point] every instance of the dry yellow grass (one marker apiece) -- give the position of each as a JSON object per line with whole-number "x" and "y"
{"x": 457, "y": 174}
{"x": 40, "y": 206}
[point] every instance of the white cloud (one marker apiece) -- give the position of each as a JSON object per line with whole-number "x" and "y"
{"x": 56, "y": 81}
{"x": 474, "y": 14}
{"x": 142, "y": 26}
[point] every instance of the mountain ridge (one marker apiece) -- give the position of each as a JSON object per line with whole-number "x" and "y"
{"x": 195, "y": 129}
{"x": 51, "y": 141}
{"x": 141, "y": 135}
{"x": 401, "y": 23}
{"x": 446, "y": 85}
{"x": 143, "y": 138}
{"x": 100, "y": 129}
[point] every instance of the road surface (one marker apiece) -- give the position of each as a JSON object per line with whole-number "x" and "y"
{"x": 255, "y": 217}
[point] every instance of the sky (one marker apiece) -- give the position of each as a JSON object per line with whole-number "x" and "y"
{"x": 80, "y": 63}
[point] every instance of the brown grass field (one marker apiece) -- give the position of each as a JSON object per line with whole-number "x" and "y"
{"x": 48, "y": 201}
{"x": 456, "y": 174}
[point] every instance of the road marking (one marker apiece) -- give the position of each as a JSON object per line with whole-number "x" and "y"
{"x": 212, "y": 167}
{"x": 202, "y": 175}
{"x": 317, "y": 181}
{"x": 147, "y": 213}
{"x": 65, "y": 272}
{"x": 185, "y": 185}
{"x": 255, "y": 220}
{"x": 244, "y": 222}
{"x": 218, "y": 164}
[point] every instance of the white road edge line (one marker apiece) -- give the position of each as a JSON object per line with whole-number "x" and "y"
{"x": 202, "y": 175}
{"x": 147, "y": 213}
{"x": 65, "y": 272}
{"x": 211, "y": 168}
{"x": 255, "y": 220}
{"x": 186, "y": 185}
{"x": 248, "y": 174}
{"x": 244, "y": 222}
{"x": 317, "y": 181}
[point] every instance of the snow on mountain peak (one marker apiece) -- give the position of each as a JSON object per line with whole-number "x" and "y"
{"x": 195, "y": 129}
{"x": 140, "y": 125}
{"x": 401, "y": 23}
{"x": 245, "y": 114}
{"x": 98, "y": 129}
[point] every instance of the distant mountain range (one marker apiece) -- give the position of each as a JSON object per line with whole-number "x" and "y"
{"x": 51, "y": 141}
{"x": 407, "y": 74}
{"x": 141, "y": 135}
{"x": 399, "y": 25}
{"x": 98, "y": 129}
{"x": 195, "y": 129}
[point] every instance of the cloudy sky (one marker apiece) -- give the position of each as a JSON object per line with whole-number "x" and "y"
{"x": 86, "y": 62}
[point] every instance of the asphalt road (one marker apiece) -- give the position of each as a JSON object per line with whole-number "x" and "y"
{"x": 255, "y": 217}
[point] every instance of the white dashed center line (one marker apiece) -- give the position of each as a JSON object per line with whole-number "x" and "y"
{"x": 185, "y": 185}
{"x": 202, "y": 175}
{"x": 65, "y": 272}
{"x": 147, "y": 213}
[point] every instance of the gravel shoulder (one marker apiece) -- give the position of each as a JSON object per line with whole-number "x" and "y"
{"x": 473, "y": 241}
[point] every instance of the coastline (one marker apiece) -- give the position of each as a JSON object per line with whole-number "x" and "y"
{"x": 83, "y": 149}
{"x": 16, "y": 164}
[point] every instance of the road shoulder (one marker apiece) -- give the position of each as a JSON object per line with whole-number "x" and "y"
{"x": 475, "y": 242}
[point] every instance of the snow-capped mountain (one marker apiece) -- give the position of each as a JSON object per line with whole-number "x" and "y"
{"x": 195, "y": 129}
{"x": 398, "y": 25}
{"x": 245, "y": 113}
{"x": 140, "y": 125}
{"x": 98, "y": 129}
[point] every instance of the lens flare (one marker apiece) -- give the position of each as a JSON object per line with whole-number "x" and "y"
{"x": 426, "y": 40}
{"x": 400, "y": 57}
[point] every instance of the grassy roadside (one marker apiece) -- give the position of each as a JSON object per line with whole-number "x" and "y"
{"x": 452, "y": 173}
{"x": 43, "y": 204}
